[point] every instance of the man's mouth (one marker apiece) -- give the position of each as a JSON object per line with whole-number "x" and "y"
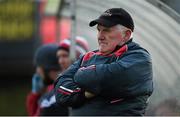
{"x": 102, "y": 43}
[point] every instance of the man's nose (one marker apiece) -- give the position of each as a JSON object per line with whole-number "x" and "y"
{"x": 100, "y": 35}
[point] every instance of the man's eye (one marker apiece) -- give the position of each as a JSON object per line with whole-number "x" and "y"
{"x": 66, "y": 56}
{"x": 98, "y": 29}
{"x": 106, "y": 30}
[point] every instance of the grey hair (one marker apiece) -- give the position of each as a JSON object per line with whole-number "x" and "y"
{"x": 123, "y": 29}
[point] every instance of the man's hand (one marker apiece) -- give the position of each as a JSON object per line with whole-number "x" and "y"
{"x": 89, "y": 95}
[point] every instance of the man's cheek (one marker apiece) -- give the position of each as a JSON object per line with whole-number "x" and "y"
{"x": 118, "y": 36}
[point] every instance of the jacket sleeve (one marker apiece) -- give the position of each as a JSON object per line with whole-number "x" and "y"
{"x": 67, "y": 92}
{"x": 125, "y": 77}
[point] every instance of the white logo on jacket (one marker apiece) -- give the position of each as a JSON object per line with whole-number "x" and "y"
{"x": 47, "y": 103}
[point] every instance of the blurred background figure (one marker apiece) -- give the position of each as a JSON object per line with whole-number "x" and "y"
{"x": 63, "y": 52}
{"x": 41, "y": 100}
{"x": 25, "y": 25}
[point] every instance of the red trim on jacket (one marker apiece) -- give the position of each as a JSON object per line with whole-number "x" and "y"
{"x": 63, "y": 92}
{"x": 88, "y": 56}
{"x": 121, "y": 50}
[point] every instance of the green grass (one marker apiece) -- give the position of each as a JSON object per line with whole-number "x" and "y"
{"x": 13, "y": 100}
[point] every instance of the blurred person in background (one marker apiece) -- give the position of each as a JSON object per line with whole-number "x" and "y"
{"x": 116, "y": 79}
{"x": 41, "y": 100}
{"x": 63, "y": 52}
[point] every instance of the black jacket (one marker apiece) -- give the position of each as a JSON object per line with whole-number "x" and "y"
{"x": 121, "y": 81}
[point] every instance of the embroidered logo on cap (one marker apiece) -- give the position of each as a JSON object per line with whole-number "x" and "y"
{"x": 107, "y": 13}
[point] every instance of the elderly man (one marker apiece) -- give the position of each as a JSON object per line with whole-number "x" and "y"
{"x": 116, "y": 79}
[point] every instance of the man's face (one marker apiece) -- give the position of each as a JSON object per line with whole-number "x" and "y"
{"x": 63, "y": 59}
{"x": 108, "y": 38}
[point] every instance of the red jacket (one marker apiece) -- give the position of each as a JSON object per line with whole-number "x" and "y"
{"x": 32, "y": 104}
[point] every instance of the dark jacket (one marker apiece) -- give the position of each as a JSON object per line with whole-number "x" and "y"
{"x": 121, "y": 81}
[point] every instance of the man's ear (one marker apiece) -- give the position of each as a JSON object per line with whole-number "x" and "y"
{"x": 127, "y": 35}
